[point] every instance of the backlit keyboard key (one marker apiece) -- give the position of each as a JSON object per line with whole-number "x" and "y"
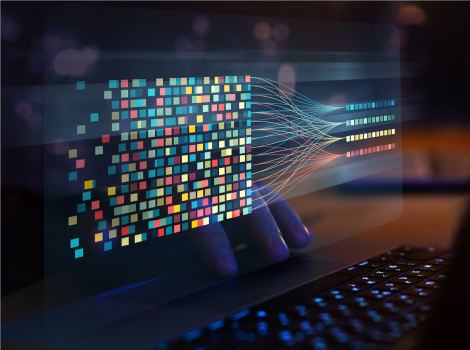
{"x": 405, "y": 280}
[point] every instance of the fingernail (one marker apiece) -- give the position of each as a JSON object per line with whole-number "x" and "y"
{"x": 227, "y": 258}
{"x": 300, "y": 228}
{"x": 278, "y": 242}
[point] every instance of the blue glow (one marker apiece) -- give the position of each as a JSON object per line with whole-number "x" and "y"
{"x": 216, "y": 325}
{"x": 192, "y": 335}
{"x": 261, "y": 314}
{"x": 240, "y": 314}
{"x": 128, "y": 287}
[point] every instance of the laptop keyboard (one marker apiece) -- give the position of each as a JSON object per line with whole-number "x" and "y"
{"x": 367, "y": 306}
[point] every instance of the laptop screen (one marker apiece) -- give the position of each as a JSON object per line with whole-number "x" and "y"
{"x": 165, "y": 124}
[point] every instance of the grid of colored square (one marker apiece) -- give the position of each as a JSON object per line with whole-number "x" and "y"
{"x": 182, "y": 159}
{"x": 369, "y": 135}
{"x": 370, "y": 150}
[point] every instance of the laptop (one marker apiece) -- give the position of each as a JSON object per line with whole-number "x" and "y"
{"x": 163, "y": 127}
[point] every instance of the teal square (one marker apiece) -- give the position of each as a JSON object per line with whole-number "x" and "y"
{"x": 81, "y": 129}
{"x": 108, "y": 245}
{"x": 80, "y": 85}
{"x": 78, "y": 253}
{"x": 94, "y": 117}
{"x": 74, "y": 243}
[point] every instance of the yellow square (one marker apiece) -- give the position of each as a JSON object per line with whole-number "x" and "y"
{"x": 134, "y": 197}
{"x": 229, "y": 215}
{"x": 248, "y": 183}
{"x": 168, "y": 141}
{"x": 88, "y": 184}
{"x": 229, "y": 188}
{"x": 215, "y": 210}
{"x": 132, "y": 167}
{"x": 160, "y": 182}
{"x": 200, "y": 193}
{"x": 221, "y": 144}
{"x": 125, "y": 178}
{"x": 184, "y": 177}
{"x": 180, "y": 188}
{"x": 222, "y": 198}
{"x": 193, "y": 223}
{"x": 111, "y": 191}
{"x": 207, "y": 192}
{"x": 115, "y": 115}
{"x": 160, "y": 82}
{"x": 134, "y": 217}
{"x": 160, "y": 202}
{"x": 242, "y": 158}
{"x": 242, "y": 194}
{"x": 216, "y": 80}
{"x": 160, "y": 192}
{"x": 169, "y": 171}
{"x": 138, "y": 238}
{"x": 125, "y": 241}
{"x": 181, "y": 120}
{"x": 192, "y": 128}
{"x": 222, "y": 170}
{"x": 235, "y": 115}
{"x": 226, "y": 88}
{"x": 239, "y": 88}
{"x": 241, "y": 105}
{"x": 207, "y": 80}
{"x": 198, "y": 99}
{"x": 199, "y": 89}
{"x": 242, "y": 141}
{"x": 72, "y": 220}
{"x": 99, "y": 237}
{"x": 184, "y": 197}
{"x": 189, "y": 90}
{"x": 221, "y": 126}
{"x": 176, "y": 208}
{"x": 184, "y": 159}
{"x": 205, "y": 221}
{"x": 112, "y": 234}
{"x": 159, "y": 122}
{"x": 228, "y": 169}
{"x": 200, "y": 147}
{"x": 192, "y": 195}
{"x": 184, "y": 81}
{"x": 134, "y": 135}
{"x": 115, "y": 222}
{"x": 200, "y": 118}
{"x": 72, "y": 153}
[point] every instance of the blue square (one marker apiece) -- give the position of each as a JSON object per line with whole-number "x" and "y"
{"x": 74, "y": 243}
{"x": 94, "y": 117}
{"x": 81, "y": 208}
{"x": 151, "y": 92}
{"x": 86, "y": 196}
{"x": 151, "y": 112}
{"x": 192, "y": 81}
{"x": 108, "y": 245}
{"x": 72, "y": 176}
{"x": 80, "y": 85}
{"x": 78, "y": 253}
{"x": 113, "y": 84}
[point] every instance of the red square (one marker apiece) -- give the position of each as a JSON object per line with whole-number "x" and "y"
{"x": 98, "y": 215}
{"x": 248, "y": 149}
{"x": 177, "y": 159}
{"x": 168, "y": 131}
{"x": 205, "y": 201}
{"x": 136, "y": 156}
{"x": 95, "y": 205}
{"x": 160, "y": 142}
{"x": 171, "y": 210}
{"x": 184, "y": 100}
{"x": 124, "y": 104}
{"x": 228, "y": 115}
{"x": 124, "y": 83}
{"x": 105, "y": 138}
{"x": 134, "y": 187}
{"x": 143, "y": 165}
{"x": 161, "y": 232}
{"x": 192, "y": 176}
{"x": 176, "y": 179}
{"x": 168, "y": 180}
{"x": 215, "y": 200}
{"x": 125, "y": 231}
{"x": 142, "y": 185}
{"x": 169, "y": 199}
{"x": 176, "y": 131}
{"x": 140, "y": 145}
{"x": 177, "y": 218}
{"x": 236, "y": 213}
{"x": 207, "y": 211}
{"x": 125, "y": 157}
{"x": 134, "y": 114}
{"x": 80, "y": 163}
{"x": 192, "y": 215}
{"x": 120, "y": 200}
{"x": 200, "y": 222}
{"x": 214, "y": 162}
{"x": 227, "y": 161}
{"x": 235, "y": 160}
{"x": 177, "y": 228}
{"x": 221, "y": 107}
{"x": 235, "y": 186}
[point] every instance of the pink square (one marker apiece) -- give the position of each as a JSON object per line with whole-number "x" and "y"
{"x": 200, "y": 222}
{"x": 234, "y": 195}
{"x": 214, "y": 108}
{"x": 219, "y": 117}
{"x": 162, "y": 91}
{"x": 192, "y": 148}
{"x": 176, "y": 179}
{"x": 204, "y": 98}
{"x": 184, "y": 100}
{"x": 160, "y": 142}
{"x": 171, "y": 210}
{"x": 228, "y": 115}
{"x": 143, "y": 185}
{"x": 124, "y": 83}
{"x": 125, "y": 157}
{"x": 215, "y": 200}
{"x": 393, "y": 145}
{"x": 221, "y": 80}
{"x": 159, "y": 101}
{"x": 242, "y": 203}
{"x": 221, "y": 107}
{"x": 205, "y": 201}
{"x": 232, "y": 97}
{"x": 133, "y": 114}
{"x": 143, "y": 165}
{"x": 242, "y": 176}
{"x": 221, "y": 180}
{"x": 361, "y": 152}
{"x": 124, "y": 104}
{"x": 140, "y": 145}
{"x": 95, "y": 205}
{"x": 247, "y": 78}
{"x": 204, "y": 184}
{"x": 120, "y": 200}
{"x": 167, "y": 131}
{"x": 169, "y": 199}
{"x": 200, "y": 213}
{"x": 177, "y": 228}
{"x": 192, "y": 215}
{"x": 205, "y": 127}
{"x": 347, "y": 155}
{"x": 80, "y": 163}
{"x": 168, "y": 180}
{"x": 207, "y": 211}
